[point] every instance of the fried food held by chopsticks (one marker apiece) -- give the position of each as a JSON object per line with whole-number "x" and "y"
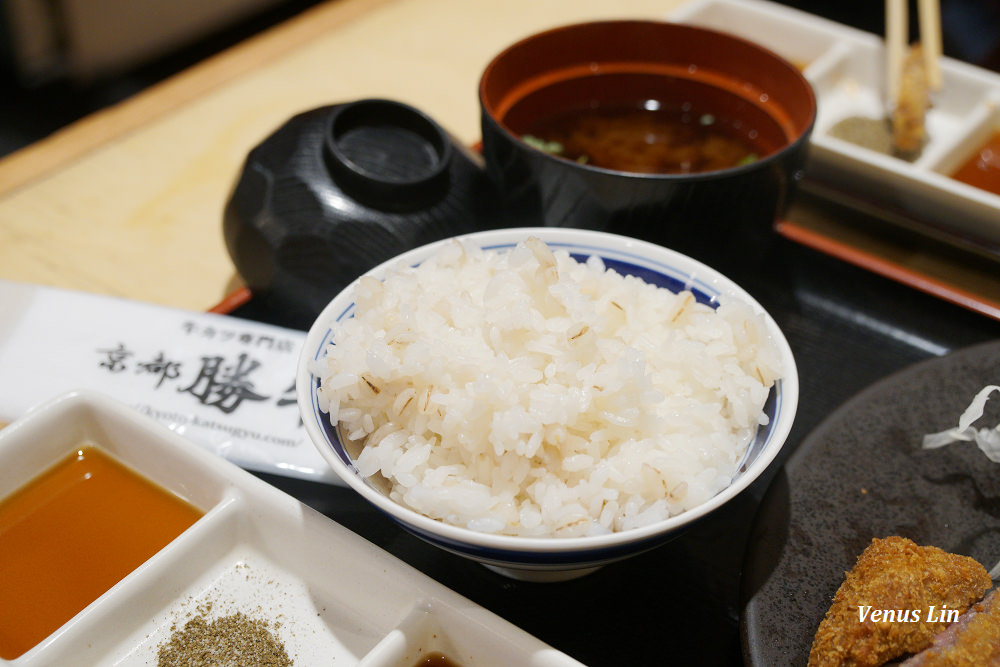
{"x": 909, "y": 131}
{"x": 894, "y": 573}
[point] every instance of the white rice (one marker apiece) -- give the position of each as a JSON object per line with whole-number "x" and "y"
{"x": 526, "y": 393}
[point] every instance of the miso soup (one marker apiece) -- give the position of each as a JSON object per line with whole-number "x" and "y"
{"x": 651, "y": 122}
{"x": 647, "y": 138}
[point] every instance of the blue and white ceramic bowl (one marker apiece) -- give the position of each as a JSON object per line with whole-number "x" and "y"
{"x": 549, "y": 559}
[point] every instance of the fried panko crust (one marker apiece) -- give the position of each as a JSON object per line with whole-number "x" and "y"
{"x": 972, "y": 642}
{"x": 908, "y": 129}
{"x": 894, "y": 573}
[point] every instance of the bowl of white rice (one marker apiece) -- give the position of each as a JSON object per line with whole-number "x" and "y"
{"x": 546, "y": 400}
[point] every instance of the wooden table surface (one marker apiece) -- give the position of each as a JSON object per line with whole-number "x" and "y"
{"x": 128, "y": 202}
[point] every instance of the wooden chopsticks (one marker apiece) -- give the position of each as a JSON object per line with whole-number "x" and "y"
{"x": 897, "y": 42}
{"x": 929, "y": 15}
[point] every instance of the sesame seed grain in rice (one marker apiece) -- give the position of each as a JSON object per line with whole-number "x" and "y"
{"x": 527, "y": 393}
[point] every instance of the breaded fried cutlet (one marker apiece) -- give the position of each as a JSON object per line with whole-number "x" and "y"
{"x": 894, "y": 574}
{"x": 909, "y": 131}
{"x": 973, "y": 641}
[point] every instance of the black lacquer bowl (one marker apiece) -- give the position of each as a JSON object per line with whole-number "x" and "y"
{"x": 338, "y": 190}
{"x": 712, "y": 215}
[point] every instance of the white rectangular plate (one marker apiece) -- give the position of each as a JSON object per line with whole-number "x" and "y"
{"x": 332, "y": 597}
{"x": 847, "y": 71}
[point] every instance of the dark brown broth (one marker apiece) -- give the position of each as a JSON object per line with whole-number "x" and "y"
{"x": 664, "y": 140}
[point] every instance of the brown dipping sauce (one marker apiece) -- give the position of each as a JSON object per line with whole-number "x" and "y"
{"x": 648, "y": 138}
{"x": 435, "y": 660}
{"x": 982, "y": 170}
{"x": 71, "y": 534}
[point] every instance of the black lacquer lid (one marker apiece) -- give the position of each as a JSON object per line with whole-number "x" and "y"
{"x": 387, "y": 154}
{"x": 336, "y": 190}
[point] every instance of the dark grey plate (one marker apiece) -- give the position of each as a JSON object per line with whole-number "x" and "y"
{"x": 862, "y": 474}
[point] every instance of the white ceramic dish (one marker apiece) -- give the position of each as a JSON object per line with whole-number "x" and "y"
{"x": 339, "y": 599}
{"x": 845, "y": 66}
{"x": 554, "y": 559}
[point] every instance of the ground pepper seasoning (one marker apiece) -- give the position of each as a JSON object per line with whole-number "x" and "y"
{"x": 875, "y": 134}
{"x": 236, "y": 640}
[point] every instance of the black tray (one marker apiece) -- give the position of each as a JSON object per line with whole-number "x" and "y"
{"x": 681, "y": 603}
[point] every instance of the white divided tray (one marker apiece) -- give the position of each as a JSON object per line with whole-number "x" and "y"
{"x": 328, "y": 595}
{"x": 846, "y": 68}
